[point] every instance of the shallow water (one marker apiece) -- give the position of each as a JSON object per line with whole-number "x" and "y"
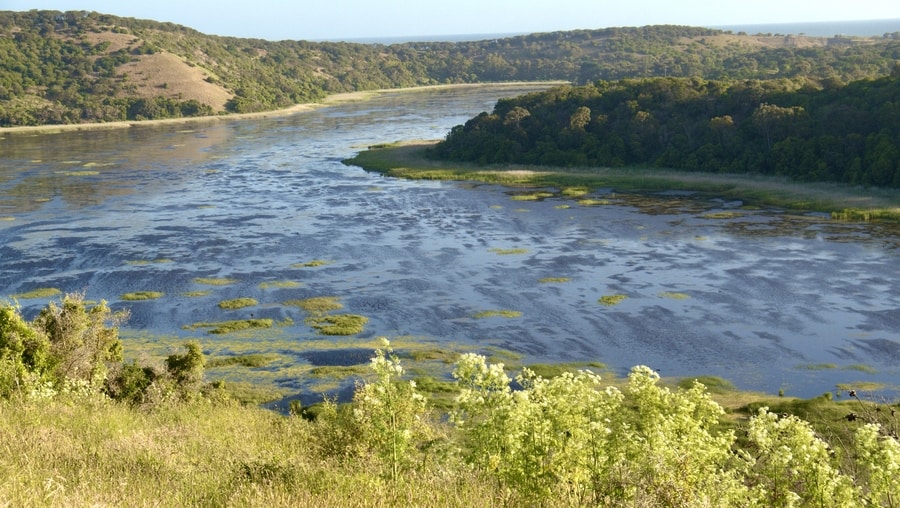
{"x": 755, "y": 296}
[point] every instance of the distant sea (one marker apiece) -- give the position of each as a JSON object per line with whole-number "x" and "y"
{"x": 871, "y": 28}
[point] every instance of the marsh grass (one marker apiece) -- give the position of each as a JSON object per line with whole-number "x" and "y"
{"x": 38, "y": 293}
{"x": 508, "y": 252}
{"x": 497, "y": 313}
{"x": 196, "y": 294}
{"x": 142, "y": 295}
{"x": 555, "y": 280}
{"x": 238, "y": 303}
{"x": 674, "y": 296}
{"x": 7, "y": 218}
{"x": 339, "y": 371}
{"x": 317, "y": 304}
{"x": 713, "y": 384}
{"x": 212, "y": 281}
{"x": 610, "y": 300}
{"x": 312, "y": 264}
{"x": 223, "y": 327}
{"x": 338, "y": 324}
{"x": 280, "y": 284}
{"x": 593, "y": 202}
{"x": 533, "y": 196}
{"x": 144, "y": 262}
{"x": 722, "y": 215}
{"x": 247, "y": 360}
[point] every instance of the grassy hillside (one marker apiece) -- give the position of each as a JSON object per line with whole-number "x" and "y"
{"x": 79, "y": 66}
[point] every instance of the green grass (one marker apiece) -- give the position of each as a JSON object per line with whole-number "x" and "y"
{"x": 317, "y": 304}
{"x": 338, "y": 324}
{"x": 211, "y": 281}
{"x": 238, "y": 303}
{"x": 610, "y": 300}
{"x": 714, "y": 384}
{"x": 142, "y": 295}
{"x": 497, "y": 313}
{"x": 38, "y": 293}
{"x": 223, "y": 327}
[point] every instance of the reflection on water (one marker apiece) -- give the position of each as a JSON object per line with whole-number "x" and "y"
{"x": 756, "y": 296}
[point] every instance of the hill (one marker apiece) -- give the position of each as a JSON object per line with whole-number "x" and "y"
{"x": 78, "y": 66}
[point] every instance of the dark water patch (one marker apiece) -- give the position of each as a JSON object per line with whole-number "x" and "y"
{"x": 882, "y": 350}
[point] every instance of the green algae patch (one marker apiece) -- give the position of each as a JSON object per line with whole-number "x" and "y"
{"x": 196, "y": 294}
{"x": 338, "y": 324}
{"x": 142, "y": 295}
{"x": 593, "y": 202}
{"x": 223, "y": 327}
{"x": 674, "y": 296}
{"x": 861, "y": 368}
{"x": 238, "y": 303}
{"x": 498, "y": 313}
{"x": 212, "y": 281}
{"x": 247, "y": 360}
{"x": 817, "y": 366}
{"x": 722, "y": 215}
{"x": 555, "y": 280}
{"x": 508, "y": 252}
{"x": 562, "y": 207}
{"x": 339, "y": 371}
{"x": 311, "y": 264}
{"x": 280, "y": 284}
{"x": 317, "y": 304}
{"x": 144, "y": 262}
{"x": 532, "y": 196}
{"x": 575, "y": 192}
{"x": 7, "y": 219}
{"x": 610, "y": 300}
{"x": 38, "y": 293}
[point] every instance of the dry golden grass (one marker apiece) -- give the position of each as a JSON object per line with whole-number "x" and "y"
{"x": 167, "y": 75}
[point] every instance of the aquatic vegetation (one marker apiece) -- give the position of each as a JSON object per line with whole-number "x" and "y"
{"x": 237, "y": 303}
{"x": 610, "y": 300}
{"x": 79, "y": 173}
{"x": 212, "y": 281}
{"x": 338, "y": 324}
{"x": 497, "y": 313}
{"x": 508, "y": 252}
{"x": 722, "y": 215}
{"x": 142, "y": 295}
{"x": 575, "y": 192}
{"x": 143, "y": 262}
{"x": 280, "y": 284}
{"x": 534, "y": 196}
{"x": 339, "y": 371}
{"x": 38, "y": 293}
{"x": 674, "y": 296}
{"x": 861, "y": 386}
{"x": 222, "y": 327}
{"x": 562, "y": 207}
{"x": 7, "y": 219}
{"x": 247, "y": 360}
{"x": 196, "y": 294}
{"x": 861, "y": 368}
{"x": 713, "y": 384}
{"x": 593, "y": 202}
{"x": 317, "y": 304}
{"x": 311, "y": 264}
{"x": 817, "y": 366}
{"x": 555, "y": 280}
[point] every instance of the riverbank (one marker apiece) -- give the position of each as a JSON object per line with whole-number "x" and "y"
{"x": 330, "y": 100}
{"x": 409, "y": 160}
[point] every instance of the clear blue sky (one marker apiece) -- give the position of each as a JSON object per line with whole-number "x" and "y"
{"x": 349, "y": 19}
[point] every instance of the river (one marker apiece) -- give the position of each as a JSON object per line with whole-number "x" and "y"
{"x": 767, "y": 299}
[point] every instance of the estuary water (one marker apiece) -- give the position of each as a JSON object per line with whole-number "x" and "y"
{"x": 764, "y": 298}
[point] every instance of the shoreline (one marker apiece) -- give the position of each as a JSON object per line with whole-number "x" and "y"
{"x": 329, "y": 100}
{"x": 406, "y": 160}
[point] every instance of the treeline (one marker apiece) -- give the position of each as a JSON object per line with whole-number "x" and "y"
{"x": 50, "y": 72}
{"x": 849, "y": 134}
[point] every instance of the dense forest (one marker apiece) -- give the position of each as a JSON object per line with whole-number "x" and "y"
{"x": 849, "y": 134}
{"x": 77, "y": 66}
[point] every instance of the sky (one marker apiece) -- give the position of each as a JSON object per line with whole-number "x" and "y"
{"x": 357, "y": 19}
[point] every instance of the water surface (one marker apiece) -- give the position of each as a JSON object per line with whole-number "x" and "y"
{"x": 767, "y": 299}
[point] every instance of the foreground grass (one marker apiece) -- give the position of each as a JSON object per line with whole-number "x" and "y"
{"x": 408, "y": 160}
{"x": 59, "y": 453}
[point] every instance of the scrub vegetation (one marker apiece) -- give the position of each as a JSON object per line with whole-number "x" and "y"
{"x": 82, "y": 427}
